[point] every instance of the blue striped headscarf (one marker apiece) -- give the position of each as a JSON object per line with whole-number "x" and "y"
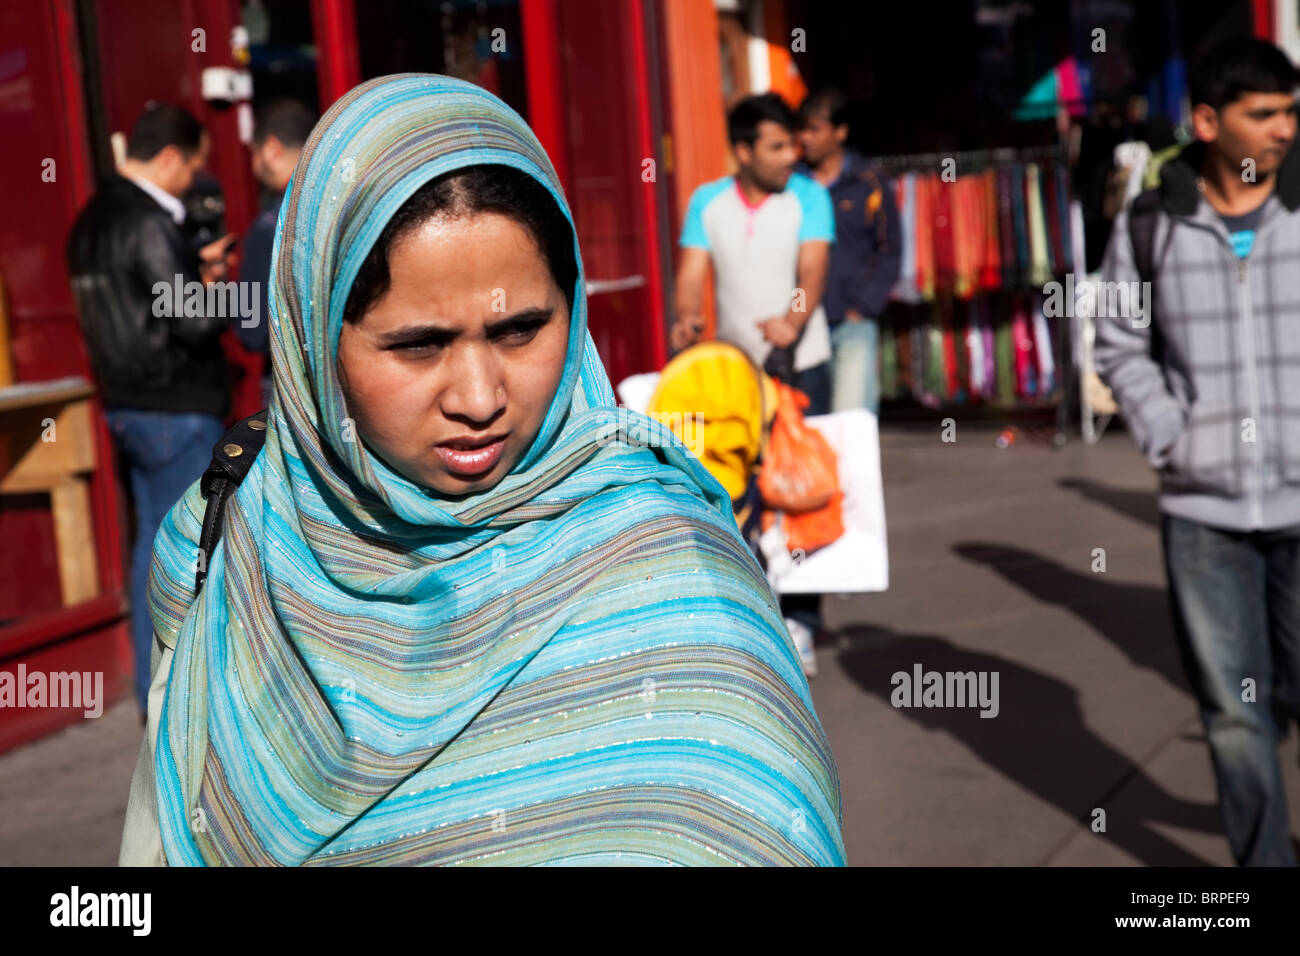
{"x": 582, "y": 664}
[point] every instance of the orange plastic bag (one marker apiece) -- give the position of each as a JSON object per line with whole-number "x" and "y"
{"x": 799, "y": 471}
{"x": 800, "y": 477}
{"x": 807, "y": 531}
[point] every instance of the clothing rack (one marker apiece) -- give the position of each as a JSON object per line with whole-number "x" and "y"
{"x": 974, "y": 157}
{"x": 973, "y": 339}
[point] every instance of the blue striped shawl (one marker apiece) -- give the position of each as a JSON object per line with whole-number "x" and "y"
{"x": 582, "y": 664}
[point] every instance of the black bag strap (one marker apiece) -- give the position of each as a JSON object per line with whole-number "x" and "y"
{"x": 1142, "y": 232}
{"x": 232, "y": 456}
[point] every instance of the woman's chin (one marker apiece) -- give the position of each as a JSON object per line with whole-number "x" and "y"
{"x": 445, "y": 482}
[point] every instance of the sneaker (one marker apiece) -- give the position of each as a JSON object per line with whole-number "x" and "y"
{"x": 802, "y": 636}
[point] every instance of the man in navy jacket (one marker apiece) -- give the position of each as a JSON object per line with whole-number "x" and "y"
{"x": 866, "y": 255}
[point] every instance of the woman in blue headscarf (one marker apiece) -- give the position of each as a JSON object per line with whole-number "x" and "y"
{"x": 462, "y": 611}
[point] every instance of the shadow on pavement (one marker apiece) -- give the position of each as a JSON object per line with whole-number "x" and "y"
{"x": 1133, "y": 617}
{"x": 1039, "y": 740}
{"x": 1138, "y": 505}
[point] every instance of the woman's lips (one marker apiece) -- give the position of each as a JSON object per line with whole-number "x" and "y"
{"x": 468, "y": 460}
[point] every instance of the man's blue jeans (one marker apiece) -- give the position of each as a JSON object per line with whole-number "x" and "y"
{"x": 1236, "y": 608}
{"x": 163, "y": 453}
{"x": 855, "y": 374}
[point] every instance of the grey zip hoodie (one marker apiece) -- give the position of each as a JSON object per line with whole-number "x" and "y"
{"x": 1208, "y": 378}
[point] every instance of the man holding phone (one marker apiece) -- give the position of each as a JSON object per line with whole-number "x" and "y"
{"x": 161, "y": 372}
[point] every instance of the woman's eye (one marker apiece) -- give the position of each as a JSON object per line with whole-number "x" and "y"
{"x": 519, "y": 334}
{"x": 419, "y": 347}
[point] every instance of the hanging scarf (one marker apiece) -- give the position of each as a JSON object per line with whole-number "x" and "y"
{"x": 990, "y": 276}
{"x": 580, "y": 664}
{"x": 1040, "y": 256}
{"x": 945, "y": 255}
{"x": 1007, "y": 231}
{"x": 1019, "y": 181}
{"x": 905, "y": 289}
{"x": 925, "y": 240}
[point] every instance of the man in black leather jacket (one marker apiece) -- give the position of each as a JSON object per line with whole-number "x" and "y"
{"x": 159, "y": 367}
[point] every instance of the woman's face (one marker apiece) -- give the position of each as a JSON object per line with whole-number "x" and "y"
{"x": 449, "y": 374}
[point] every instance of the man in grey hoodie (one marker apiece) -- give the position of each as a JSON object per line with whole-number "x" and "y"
{"x": 1205, "y": 364}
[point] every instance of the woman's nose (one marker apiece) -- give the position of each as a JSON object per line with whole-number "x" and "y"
{"x": 477, "y": 392}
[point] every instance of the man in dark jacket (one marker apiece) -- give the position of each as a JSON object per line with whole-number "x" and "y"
{"x": 160, "y": 370}
{"x": 867, "y": 252}
{"x": 279, "y": 131}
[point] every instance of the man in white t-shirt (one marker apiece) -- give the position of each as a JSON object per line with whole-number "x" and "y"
{"x": 767, "y": 231}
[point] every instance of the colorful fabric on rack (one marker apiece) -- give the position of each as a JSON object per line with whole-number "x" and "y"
{"x": 988, "y": 347}
{"x": 905, "y": 289}
{"x": 1043, "y": 349}
{"x": 907, "y": 380}
{"x": 1022, "y": 338}
{"x": 1005, "y": 362}
{"x": 952, "y": 371}
{"x": 935, "y": 382}
{"x": 1078, "y": 249}
{"x": 1006, "y": 230}
{"x": 1021, "y": 217}
{"x": 973, "y": 236}
{"x": 1052, "y": 217}
{"x": 889, "y": 354}
{"x": 960, "y": 376}
{"x": 962, "y": 284}
{"x": 990, "y": 276}
{"x": 917, "y": 343}
{"x": 975, "y": 349}
{"x": 925, "y": 277}
{"x": 1040, "y": 262}
{"x": 945, "y": 258}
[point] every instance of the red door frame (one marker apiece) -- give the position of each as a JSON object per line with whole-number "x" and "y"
{"x": 541, "y": 41}
{"x": 91, "y": 636}
{"x": 338, "y": 63}
{"x": 649, "y": 143}
{"x": 1262, "y": 15}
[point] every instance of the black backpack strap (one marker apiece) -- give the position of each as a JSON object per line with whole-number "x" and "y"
{"x": 232, "y": 456}
{"x": 1142, "y": 233}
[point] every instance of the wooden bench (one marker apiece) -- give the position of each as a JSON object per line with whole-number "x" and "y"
{"x": 47, "y": 445}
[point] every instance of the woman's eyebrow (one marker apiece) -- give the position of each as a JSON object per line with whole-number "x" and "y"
{"x": 425, "y": 331}
{"x": 416, "y": 331}
{"x": 526, "y": 317}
